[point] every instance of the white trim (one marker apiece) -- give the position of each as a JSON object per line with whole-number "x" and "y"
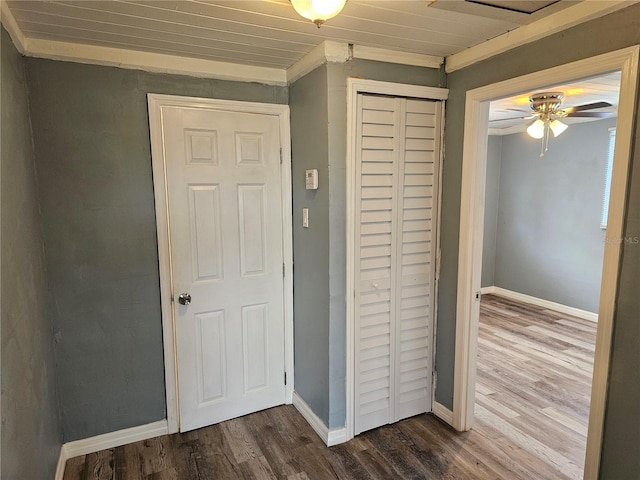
{"x": 152, "y": 62}
{"x": 442, "y": 412}
{"x": 156, "y": 103}
{"x": 329, "y": 437}
{"x": 471, "y": 214}
{"x": 541, "y": 302}
{"x": 562, "y": 20}
{"x": 327, "y": 51}
{"x": 359, "y": 85}
{"x": 354, "y": 87}
{"x": 337, "y": 52}
{"x": 108, "y": 440}
{"x": 508, "y": 131}
{"x": 9, "y": 22}
{"x": 394, "y": 56}
{"x": 115, "y": 439}
{"x": 62, "y": 463}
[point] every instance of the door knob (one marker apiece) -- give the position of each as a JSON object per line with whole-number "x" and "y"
{"x": 184, "y": 299}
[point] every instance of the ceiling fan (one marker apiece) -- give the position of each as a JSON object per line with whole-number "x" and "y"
{"x": 546, "y": 112}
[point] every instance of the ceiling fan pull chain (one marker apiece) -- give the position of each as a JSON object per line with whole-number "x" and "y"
{"x": 546, "y": 146}
{"x": 545, "y": 139}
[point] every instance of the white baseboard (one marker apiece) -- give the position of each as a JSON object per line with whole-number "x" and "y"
{"x": 108, "y": 440}
{"x": 540, "y": 302}
{"x": 442, "y": 412}
{"x": 329, "y": 437}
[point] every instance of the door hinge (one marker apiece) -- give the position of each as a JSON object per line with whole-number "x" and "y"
{"x": 280, "y": 154}
{"x": 283, "y": 270}
{"x": 285, "y": 378}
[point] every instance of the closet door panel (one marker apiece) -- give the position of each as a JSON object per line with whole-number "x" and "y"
{"x": 415, "y": 286}
{"x": 398, "y": 142}
{"x": 376, "y": 177}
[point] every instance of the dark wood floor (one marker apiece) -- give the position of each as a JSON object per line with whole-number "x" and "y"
{"x": 534, "y": 371}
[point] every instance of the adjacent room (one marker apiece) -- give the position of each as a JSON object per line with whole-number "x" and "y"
{"x": 545, "y": 221}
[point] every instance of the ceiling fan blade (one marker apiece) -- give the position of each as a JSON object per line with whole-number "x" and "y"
{"x": 518, "y": 110}
{"x": 587, "y": 106}
{"x": 591, "y": 114}
{"x": 510, "y": 118}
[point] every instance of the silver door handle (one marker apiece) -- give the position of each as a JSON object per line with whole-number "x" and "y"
{"x": 184, "y": 299}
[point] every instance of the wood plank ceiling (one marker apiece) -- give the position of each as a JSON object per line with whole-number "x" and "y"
{"x": 267, "y": 33}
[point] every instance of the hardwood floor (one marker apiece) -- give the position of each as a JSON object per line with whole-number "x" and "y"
{"x": 534, "y": 376}
{"x": 533, "y": 385}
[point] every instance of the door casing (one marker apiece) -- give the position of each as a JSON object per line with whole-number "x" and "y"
{"x": 474, "y": 164}
{"x": 354, "y": 87}
{"x": 156, "y": 102}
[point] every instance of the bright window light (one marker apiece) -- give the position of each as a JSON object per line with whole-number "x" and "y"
{"x": 607, "y": 184}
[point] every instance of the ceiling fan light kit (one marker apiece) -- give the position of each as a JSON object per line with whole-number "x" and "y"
{"x": 318, "y": 11}
{"x": 546, "y": 106}
{"x": 536, "y": 129}
{"x": 557, "y": 127}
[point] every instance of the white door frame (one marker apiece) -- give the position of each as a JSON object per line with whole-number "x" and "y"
{"x": 156, "y": 104}
{"x": 474, "y": 163}
{"x": 354, "y": 87}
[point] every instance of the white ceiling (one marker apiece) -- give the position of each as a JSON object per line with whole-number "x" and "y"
{"x": 506, "y": 115}
{"x": 266, "y": 41}
{"x": 268, "y": 33}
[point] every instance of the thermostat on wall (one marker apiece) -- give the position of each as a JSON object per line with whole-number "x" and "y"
{"x": 311, "y": 179}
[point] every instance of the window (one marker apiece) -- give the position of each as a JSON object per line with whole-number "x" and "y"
{"x": 607, "y": 184}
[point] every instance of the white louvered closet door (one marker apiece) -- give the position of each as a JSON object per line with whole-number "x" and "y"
{"x": 396, "y": 184}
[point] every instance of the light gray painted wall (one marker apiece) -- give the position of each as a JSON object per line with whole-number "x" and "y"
{"x": 491, "y": 199}
{"x": 620, "y": 460}
{"x": 549, "y": 241}
{"x": 93, "y": 156}
{"x": 328, "y": 325}
{"x": 309, "y": 150}
{"x": 31, "y": 433}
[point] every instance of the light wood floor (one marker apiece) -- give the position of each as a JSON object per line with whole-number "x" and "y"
{"x": 534, "y": 370}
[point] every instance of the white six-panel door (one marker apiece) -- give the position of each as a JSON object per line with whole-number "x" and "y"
{"x": 396, "y": 178}
{"x": 225, "y": 214}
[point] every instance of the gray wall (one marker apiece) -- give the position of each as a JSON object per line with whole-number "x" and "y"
{"x": 491, "y": 199}
{"x": 93, "y": 159}
{"x": 320, "y": 270}
{"x": 549, "y": 241}
{"x": 309, "y": 148}
{"x": 92, "y": 169}
{"x": 622, "y": 421}
{"x": 31, "y": 433}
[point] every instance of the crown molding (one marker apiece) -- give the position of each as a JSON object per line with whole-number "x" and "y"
{"x": 338, "y": 52}
{"x": 327, "y": 51}
{"x": 10, "y": 24}
{"x": 508, "y": 131}
{"x": 394, "y": 56}
{"x": 562, "y": 20}
{"x": 153, "y": 62}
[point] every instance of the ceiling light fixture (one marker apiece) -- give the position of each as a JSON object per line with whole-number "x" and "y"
{"x": 547, "y": 108}
{"x": 318, "y": 11}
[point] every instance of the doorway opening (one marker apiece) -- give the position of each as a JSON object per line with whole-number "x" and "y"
{"x": 543, "y": 248}
{"x": 471, "y": 231}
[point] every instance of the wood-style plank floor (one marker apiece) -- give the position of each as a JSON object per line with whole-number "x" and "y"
{"x": 534, "y": 376}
